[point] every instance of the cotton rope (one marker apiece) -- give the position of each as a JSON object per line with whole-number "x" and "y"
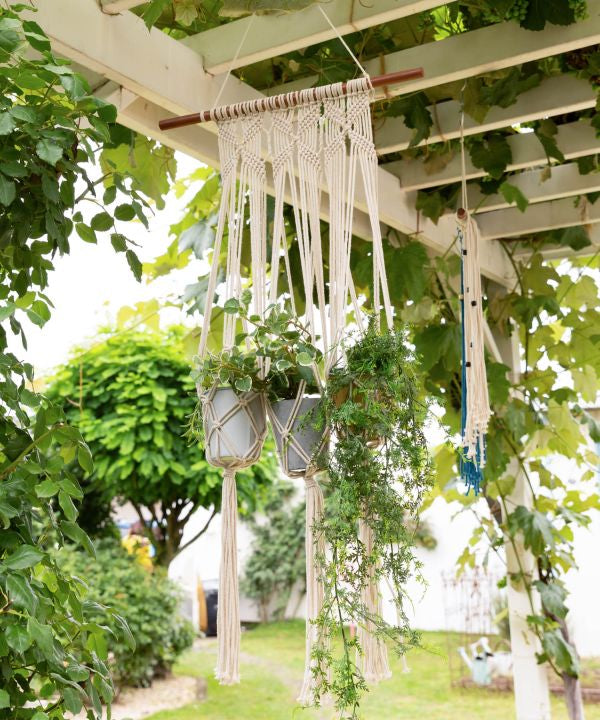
{"x": 325, "y": 139}
{"x": 476, "y": 410}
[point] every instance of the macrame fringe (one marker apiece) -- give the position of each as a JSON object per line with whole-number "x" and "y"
{"x": 315, "y": 546}
{"x": 228, "y": 611}
{"x": 475, "y": 410}
{"x": 375, "y": 665}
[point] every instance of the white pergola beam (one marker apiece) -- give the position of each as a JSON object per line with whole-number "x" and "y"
{"x": 166, "y": 74}
{"x": 574, "y": 140}
{"x": 477, "y": 52}
{"x": 560, "y": 252}
{"x": 552, "y": 215}
{"x": 555, "y": 96}
{"x": 564, "y": 181}
{"x": 114, "y": 7}
{"x": 273, "y": 35}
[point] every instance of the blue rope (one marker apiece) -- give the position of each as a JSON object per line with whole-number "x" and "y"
{"x": 470, "y": 470}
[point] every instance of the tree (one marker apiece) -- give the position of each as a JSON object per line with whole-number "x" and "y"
{"x": 132, "y": 396}
{"x": 51, "y": 131}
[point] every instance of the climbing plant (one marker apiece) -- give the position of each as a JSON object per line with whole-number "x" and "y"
{"x": 52, "y": 128}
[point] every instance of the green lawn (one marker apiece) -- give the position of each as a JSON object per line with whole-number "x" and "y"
{"x": 272, "y": 669}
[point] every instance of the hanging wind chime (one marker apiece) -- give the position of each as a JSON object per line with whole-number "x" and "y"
{"x": 475, "y": 404}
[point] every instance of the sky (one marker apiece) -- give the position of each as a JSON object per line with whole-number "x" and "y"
{"x": 91, "y": 284}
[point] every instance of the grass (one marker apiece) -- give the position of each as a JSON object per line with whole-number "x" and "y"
{"x": 272, "y": 663}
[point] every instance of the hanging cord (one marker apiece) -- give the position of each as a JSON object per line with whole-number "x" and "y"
{"x": 344, "y": 43}
{"x": 475, "y": 406}
{"x": 233, "y": 62}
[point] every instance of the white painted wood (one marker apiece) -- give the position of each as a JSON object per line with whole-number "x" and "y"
{"x": 564, "y": 181}
{"x": 560, "y": 252}
{"x": 555, "y": 96}
{"x": 576, "y": 139}
{"x": 480, "y": 51}
{"x": 273, "y": 35}
{"x": 149, "y": 63}
{"x": 114, "y": 7}
{"x": 537, "y": 218}
{"x": 166, "y": 74}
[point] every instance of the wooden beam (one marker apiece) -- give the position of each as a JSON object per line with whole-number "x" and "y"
{"x": 564, "y": 181}
{"x": 114, "y": 7}
{"x": 555, "y": 96}
{"x": 168, "y": 78}
{"x": 576, "y": 139}
{"x": 149, "y": 63}
{"x": 480, "y": 51}
{"x": 273, "y": 35}
{"x": 553, "y": 215}
{"x": 561, "y": 252}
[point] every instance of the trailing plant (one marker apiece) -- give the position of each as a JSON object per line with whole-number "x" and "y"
{"x": 131, "y": 396}
{"x": 148, "y": 601}
{"x": 277, "y": 560}
{"x": 271, "y": 355}
{"x": 374, "y": 393}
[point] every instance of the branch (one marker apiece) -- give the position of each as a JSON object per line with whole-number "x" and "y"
{"x": 197, "y": 535}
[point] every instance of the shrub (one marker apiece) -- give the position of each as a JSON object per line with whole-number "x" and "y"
{"x": 148, "y": 601}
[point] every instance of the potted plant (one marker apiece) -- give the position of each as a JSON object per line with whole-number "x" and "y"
{"x": 230, "y": 390}
{"x": 374, "y": 493}
{"x": 291, "y": 386}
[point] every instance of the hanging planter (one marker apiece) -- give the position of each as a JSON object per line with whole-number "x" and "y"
{"x": 234, "y": 427}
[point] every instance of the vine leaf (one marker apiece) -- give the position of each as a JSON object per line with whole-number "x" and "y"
{"x": 513, "y": 195}
{"x": 491, "y": 153}
{"x": 416, "y": 115}
{"x": 539, "y": 12}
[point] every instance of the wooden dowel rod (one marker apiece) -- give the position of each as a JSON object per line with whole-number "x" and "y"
{"x": 288, "y": 100}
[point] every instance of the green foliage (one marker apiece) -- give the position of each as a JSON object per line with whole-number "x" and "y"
{"x": 279, "y": 339}
{"x": 277, "y": 560}
{"x": 51, "y": 126}
{"x": 378, "y": 470}
{"x": 132, "y": 396}
{"x": 147, "y": 601}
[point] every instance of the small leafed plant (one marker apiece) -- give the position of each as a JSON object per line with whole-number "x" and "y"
{"x": 273, "y": 354}
{"x": 374, "y": 393}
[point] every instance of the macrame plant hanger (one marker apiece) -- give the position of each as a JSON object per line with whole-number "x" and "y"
{"x": 319, "y": 136}
{"x": 475, "y": 404}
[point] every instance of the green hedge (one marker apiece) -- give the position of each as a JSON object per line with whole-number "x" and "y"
{"x": 148, "y": 601}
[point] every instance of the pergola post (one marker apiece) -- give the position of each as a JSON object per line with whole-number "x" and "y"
{"x": 531, "y": 691}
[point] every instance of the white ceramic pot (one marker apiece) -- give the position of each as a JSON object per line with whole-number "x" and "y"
{"x": 235, "y": 426}
{"x": 305, "y": 436}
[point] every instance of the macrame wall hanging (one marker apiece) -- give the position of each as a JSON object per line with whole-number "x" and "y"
{"x": 315, "y": 140}
{"x": 475, "y": 404}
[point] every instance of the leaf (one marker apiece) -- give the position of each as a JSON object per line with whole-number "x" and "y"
{"x": 25, "y": 556}
{"x": 102, "y": 222}
{"x": 553, "y": 597}
{"x": 42, "y": 636}
{"x": 124, "y": 212}
{"x": 135, "y": 264}
{"x": 407, "y": 270}
{"x": 86, "y": 233}
{"x": 46, "y": 489}
{"x": 8, "y": 191}
{"x": 545, "y": 133}
{"x": 67, "y": 505}
{"x": 244, "y": 384}
{"x": 305, "y": 359}
{"x": 512, "y": 194}
{"x": 504, "y": 91}
{"x": 232, "y": 306}
{"x": 416, "y": 115}
{"x": 4, "y": 699}
{"x": 75, "y": 533}
{"x": 84, "y": 458}
{"x": 153, "y": 11}
{"x": 9, "y": 38}
{"x": 186, "y": 11}
{"x": 48, "y": 151}
{"x": 431, "y": 203}
{"x": 560, "y": 651}
{"x": 491, "y": 153}
{"x": 75, "y": 85}
{"x": 18, "y": 638}
{"x": 7, "y": 124}
{"x": 72, "y": 698}
{"x": 539, "y": 12}
{"x": 119, "y": 242}
{"x": 21, "y": 592}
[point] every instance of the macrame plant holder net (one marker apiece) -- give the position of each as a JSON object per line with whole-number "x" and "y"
{"x": 323, "y": 142}
{"x": 475, "y": 404}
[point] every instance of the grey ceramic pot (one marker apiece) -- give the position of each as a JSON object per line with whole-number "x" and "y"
{"x": 237, "y": 443}
{"x": 309, "y": 438}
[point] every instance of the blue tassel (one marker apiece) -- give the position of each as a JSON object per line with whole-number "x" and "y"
{"x": 470, "y": 470}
